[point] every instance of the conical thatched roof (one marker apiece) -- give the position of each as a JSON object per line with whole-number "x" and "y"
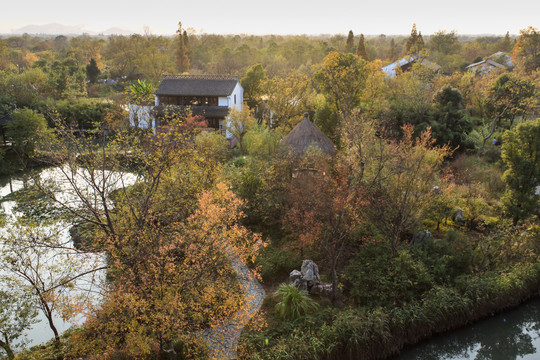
{"x": 307, "y": 134}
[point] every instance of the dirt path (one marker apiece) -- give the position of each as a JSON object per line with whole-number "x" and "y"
{"x": 224, "y": 338}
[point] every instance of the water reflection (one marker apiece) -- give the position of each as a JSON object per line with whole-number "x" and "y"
{"x": 22, "y": 202}
{"x": 512, "y": 335}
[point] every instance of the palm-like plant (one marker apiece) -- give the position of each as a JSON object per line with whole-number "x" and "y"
{"x": 293, "y": 302}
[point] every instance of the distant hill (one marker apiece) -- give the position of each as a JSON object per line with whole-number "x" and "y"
{"x": 59, "y": 29}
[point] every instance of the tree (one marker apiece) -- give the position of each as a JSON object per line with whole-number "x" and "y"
{"x": 361, "y": 49}
{"x": 41, "y": 266}
{"x": 239, "y": 123}
{"x": 392, "y": 51}
{"x": 413, "y": 44}
{"x": 92, "y": 71}
{"x": 27, "y": 132}
{"x": 182, "y": 50}
{"x": 527, "y": 49}
{"x": 507, "y": 44}
{"x": 451, "y": 124}
{"x": 253, "y": 85}
{"x": 350, "y": 42}
{"x": 343, "y": 80}
{"x": 16, "y": 315}
{"x": 325, "y": 206}
{"x": 288, "y": 99}
{"x": 509, "y": 96}
{"x": 444, "y": 42}
{"x": 400, "y": 180}
{"x": 520, "y": 152}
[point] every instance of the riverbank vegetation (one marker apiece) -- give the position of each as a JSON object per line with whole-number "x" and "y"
{"x": 424, "y": 220}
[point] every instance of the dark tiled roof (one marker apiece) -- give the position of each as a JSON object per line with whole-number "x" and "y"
{"x": 206, "y": 111}
{"x": 197, "y": 85}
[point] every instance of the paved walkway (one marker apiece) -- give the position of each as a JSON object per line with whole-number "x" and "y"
{"x": 223, "y": 339}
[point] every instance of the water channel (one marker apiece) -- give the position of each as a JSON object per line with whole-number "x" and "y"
{"x": 511, "y": 335}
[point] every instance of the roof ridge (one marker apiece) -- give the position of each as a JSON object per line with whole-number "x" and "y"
{"x": 200, "y": 77}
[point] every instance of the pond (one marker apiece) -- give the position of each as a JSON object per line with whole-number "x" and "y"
{"x": 514, "y": 334}
{"x": 21, "y": 210}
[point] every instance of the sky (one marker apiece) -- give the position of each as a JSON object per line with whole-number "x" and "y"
{"x": 278, "y": 16}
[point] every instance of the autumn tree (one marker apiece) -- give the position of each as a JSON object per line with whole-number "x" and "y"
{"x": 325, "y": 206}
{"x": 527, "y": 48}
{"x": 401, "y": 178}
{"x": 174, "y": 280}
{"x": 343, "y": 79}
{"x": 287, "y": 99}
{"x": 361, "y": 48}
{"x": 182, "y": 50}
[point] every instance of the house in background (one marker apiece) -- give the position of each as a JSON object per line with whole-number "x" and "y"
{"x": 499, "y": 60}
{"x": 405, "y": 64}
{"x": 211, "y": 96}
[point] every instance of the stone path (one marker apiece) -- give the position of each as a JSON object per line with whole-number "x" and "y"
{"x": 223, "y": 339}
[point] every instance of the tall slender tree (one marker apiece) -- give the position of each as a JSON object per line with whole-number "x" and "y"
{"x": 182, "y": 58}
{"x": 350, "y": 42}
{"x": 411, "y": 41}
{"x": 361, "y": 49}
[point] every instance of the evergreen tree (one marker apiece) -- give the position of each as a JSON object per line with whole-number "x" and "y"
{"x": 361, "y": 49}
{"x": 350, "y": 42}
{"x": 420, "y": 42}
{"x": 182, "y": 58}
{"x": 92, "y": 71}
{"x": 411, "y": 41}
{"x": 392, "y": 52}
{"x": 507, "y": 43}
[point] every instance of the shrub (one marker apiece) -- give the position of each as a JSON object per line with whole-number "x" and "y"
{"x": 293, "y": 302}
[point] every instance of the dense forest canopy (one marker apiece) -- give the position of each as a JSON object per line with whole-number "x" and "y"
{"x": 423, "y": 217}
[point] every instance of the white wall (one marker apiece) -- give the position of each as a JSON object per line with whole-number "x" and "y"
{"x": 223, "y": 101}
{"x": 239, "y": 92}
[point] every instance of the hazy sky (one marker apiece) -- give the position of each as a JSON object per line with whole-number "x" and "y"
{"x": 278, "y": 16}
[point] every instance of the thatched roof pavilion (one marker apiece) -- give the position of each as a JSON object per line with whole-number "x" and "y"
{"x": 307, "y": 134}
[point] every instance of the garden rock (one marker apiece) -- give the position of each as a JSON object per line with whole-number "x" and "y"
{"x": 457, "y": 216}
{"x": 295, "y": 274}
{"x": 310, "y": 272}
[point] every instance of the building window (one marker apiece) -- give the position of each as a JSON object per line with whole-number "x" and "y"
{"x": 234, "y": 99}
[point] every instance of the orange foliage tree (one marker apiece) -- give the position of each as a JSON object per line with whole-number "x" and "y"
{"x": 324, "y": 208}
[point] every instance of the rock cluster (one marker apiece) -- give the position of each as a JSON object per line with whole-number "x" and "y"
{"x": 308, "y": 279}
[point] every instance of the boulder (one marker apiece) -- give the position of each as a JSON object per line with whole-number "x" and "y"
{"x": 457, "y": 216}
{"x": 301, "y": 284}
{"x": 295, "y": 274}
{"x": 310, "y": 272}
